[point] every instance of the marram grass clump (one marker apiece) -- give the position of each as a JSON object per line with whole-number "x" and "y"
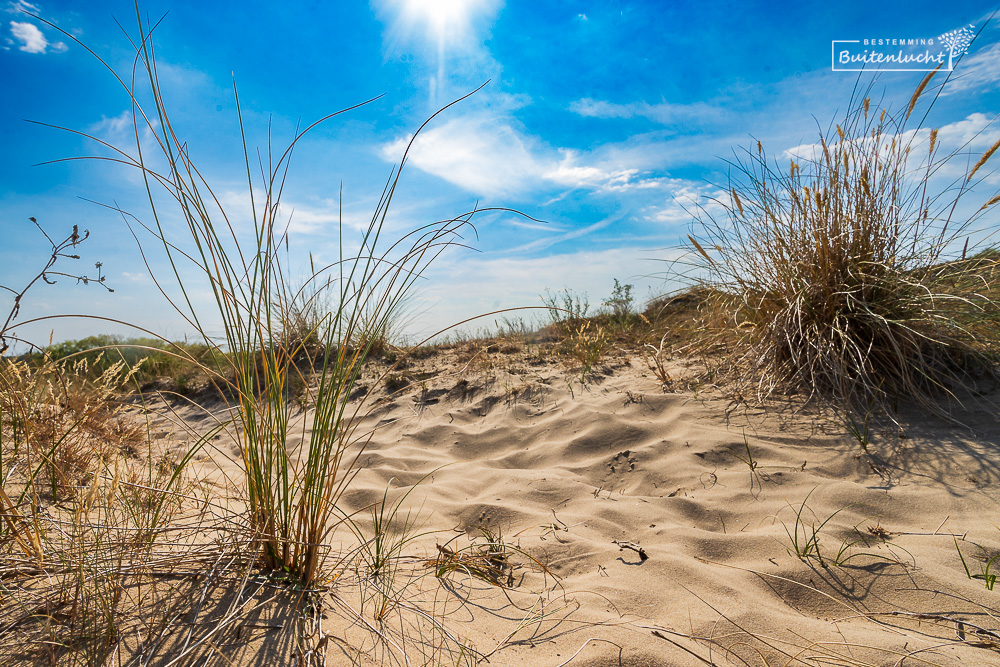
{"x": 856, "y": 270}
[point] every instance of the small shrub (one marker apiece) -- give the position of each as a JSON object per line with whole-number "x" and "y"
{"x": 514, "y": 327}
{"x": 586, "y": 341}
{"x": 422, "y": 352}
{"x": 619, "y": 304}
{"x": 566, "y": 306}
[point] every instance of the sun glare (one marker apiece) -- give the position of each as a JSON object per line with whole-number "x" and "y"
{"x": 440, "y": 12}
{"x": 440, "y": 31}
{"x": 446, "y": 19}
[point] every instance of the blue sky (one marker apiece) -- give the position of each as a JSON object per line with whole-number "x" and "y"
{"x": 603, "y": 119}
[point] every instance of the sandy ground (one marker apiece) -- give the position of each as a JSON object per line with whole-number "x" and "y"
{"x": 708, "y": 495}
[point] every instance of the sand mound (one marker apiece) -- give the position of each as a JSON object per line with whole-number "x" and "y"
{"x": 671, "y": 516}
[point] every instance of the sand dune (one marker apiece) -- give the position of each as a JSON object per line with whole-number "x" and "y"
{"x": 710, "y": 491}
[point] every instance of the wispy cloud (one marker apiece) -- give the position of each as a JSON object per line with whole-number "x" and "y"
{"x": 310, "y": 220}
{"x": 980, "y": 71}
{"x": 21, "y": 7}
{"x": 542, "y": 244}
{"x": 119, "y": 131}
{"x": 542, "y": 226}
{"x": 113, "y": 129}
{"x": 139, "y": 278}
{"x": 971, "y": 136}
{"x": 976, "y": 131}
{"x": 571, "y": 173}
{"x": 663, "y": 113}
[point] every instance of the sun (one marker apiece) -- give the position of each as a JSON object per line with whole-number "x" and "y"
{"x": 440, "y": 13}
{"x": 440, "y": 31}
{"x": 446, "y": 20}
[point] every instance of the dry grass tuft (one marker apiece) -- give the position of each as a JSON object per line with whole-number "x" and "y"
{"x": 84, "y": 515}
{"x": 853, "y": 272}
{"x": 64, "y": 424}
{"x": 489, "y": 560}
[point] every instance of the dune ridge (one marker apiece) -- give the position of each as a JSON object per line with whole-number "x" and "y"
{"x": 583, "y": 476}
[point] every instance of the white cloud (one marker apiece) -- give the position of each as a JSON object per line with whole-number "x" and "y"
{"x": 568, "y": 173}
{"x": 28, "y": 35}
{"x": 489, "y": 156}
{"x": 544, "y": 226}
{"x": 304, "y": 219}
{"x": 977, "y": 130}
{"x": 601, "y": 109}
{"x": 483, "y": 155}
{"x": 687, "y": 201}
{"x": 663, "y": 113}
{"x": 508, "y": 102}
{"x": 31, "y": 38}
{"x": 972, "y": 135}
{"x": 941, "y": 184}
{"x": 183, "y": 78}
{"x": 118, "y": 131}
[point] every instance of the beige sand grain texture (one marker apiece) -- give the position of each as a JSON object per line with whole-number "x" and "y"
{"x": 711, "y": 491}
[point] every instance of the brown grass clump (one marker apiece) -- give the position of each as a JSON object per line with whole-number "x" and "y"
{"x": 64, "y": 424}
{"x": 853, "y": 272}
{"x": 82, "y": 515}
